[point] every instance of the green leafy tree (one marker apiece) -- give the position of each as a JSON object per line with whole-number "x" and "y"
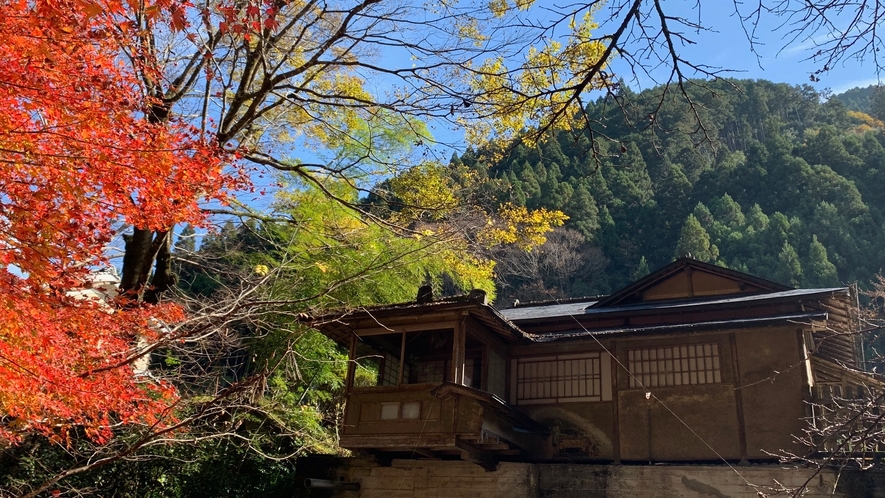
{"x": 788, "y": 269}
{"x": 629, "y": 180}
{"x": 877, "y": 104}
{"x": 673, "y": 189}
{"x": 703, "y": 215}
{"x": 694, "y": 242}
{"x": 530, "y": 185}
{"x": 641, "y": 269}
{"x": 819, "y": 271}
{"x": 583, "y": 213}
{"x": 728, "y": 211}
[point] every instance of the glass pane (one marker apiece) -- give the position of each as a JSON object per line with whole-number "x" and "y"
{"x": 377, "y": 360}
{"x": 497, "y": 374}
{"x": 412, "y": 410}
{"x": 473, "y": 362}
{"x": 560, "y": 379}
{"x": 389, "y": 411}
{"x": 428, "y": 356}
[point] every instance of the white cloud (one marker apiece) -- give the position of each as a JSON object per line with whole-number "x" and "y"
{"x": 848, "y": 85}
{"x": 806, "y": 45}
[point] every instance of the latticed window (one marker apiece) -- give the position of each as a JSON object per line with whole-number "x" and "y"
{"x": 390, "y": 371}
{"x": 675, "y": 366}
{"x": 560, "y": 378}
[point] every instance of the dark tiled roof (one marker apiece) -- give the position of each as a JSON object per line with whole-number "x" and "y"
{"x": 546, "y": 311}
{"x": 336, "y": 325}
{"x": 681, "y": 327}
{"x": 555, "y": 310}
{"x": 739, "y": 299}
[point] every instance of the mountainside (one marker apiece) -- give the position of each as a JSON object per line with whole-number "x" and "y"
{"x": 858, "y": 99}
{"x": 761, "y": 177}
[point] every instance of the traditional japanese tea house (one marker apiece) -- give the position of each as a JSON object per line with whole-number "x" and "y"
{"x": 694, "y": 363}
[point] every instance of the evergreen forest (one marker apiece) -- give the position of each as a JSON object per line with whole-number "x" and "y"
{"x": 766, "y": 178}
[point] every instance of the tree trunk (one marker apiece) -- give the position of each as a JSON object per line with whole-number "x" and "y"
{"x": 142, "y": 248}
{"x": 164, "y": 278}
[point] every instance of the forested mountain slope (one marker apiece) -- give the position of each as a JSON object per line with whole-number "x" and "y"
{"x": 858, "y": 99}
{"x": 761, "y": 177}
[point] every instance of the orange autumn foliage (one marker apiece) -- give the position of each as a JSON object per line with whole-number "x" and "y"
{"x": 78, "y": 160}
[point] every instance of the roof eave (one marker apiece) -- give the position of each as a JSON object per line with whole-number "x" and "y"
{"x": 337, "y": 325}
{"x": 658, "y": 330}
{"x": 682, "y": 306}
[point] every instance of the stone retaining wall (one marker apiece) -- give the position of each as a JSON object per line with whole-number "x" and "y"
{"x": 457, "y": 479}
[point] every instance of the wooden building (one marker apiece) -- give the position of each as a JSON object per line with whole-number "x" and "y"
{"x": 693, "y": 363}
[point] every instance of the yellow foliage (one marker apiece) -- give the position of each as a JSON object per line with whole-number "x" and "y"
{"x": 424, "y": 191}
{"x": 470, "y": 30}
{"x": 518, "y": 225}
{"x": 500, "y": 8}
{"x": 543, "y": 91}
{"x": 471, "y": 272}
{"x": 440, "y": 230}
{"x": 864, "y": 121}
{"x": 865, "y": 118}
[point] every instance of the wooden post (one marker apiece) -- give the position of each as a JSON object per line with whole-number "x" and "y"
{"x": 485, "y": 368}
{"x": 688, "y": 275}
{"x": 648, "y": 418}
{"x": 459, "y": 343}
{"x": 351, "y": 365}
{"x": 402, "y": 359}
{"x": 456, "y": 369}
{"x": 616, "y": 429}
{"x": 739, "y": 398}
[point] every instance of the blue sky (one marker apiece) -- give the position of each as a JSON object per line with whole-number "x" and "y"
{"x": 725, "y": 46}
{"x": 776, "y": 55}
{"x": 779, "y": 57}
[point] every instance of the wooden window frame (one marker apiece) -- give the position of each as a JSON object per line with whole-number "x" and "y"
{"x": 571, "y": 378}
{"x": 675, "y": 365}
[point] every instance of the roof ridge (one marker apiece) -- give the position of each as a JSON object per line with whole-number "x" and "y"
{"x": 553, "y": 302}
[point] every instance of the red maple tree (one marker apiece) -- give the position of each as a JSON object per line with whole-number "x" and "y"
{"x": 79, "y": 161}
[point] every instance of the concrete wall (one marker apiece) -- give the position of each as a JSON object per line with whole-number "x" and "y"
{"x": 454, "y": 479}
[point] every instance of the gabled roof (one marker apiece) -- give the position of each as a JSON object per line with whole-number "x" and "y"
{"x": 679, "y": 279}
{"x": 589, "y": 309}
{"x": 723, "y": 301}
{"x": 656, "y": 304}
{"x": 663, "y": 329}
